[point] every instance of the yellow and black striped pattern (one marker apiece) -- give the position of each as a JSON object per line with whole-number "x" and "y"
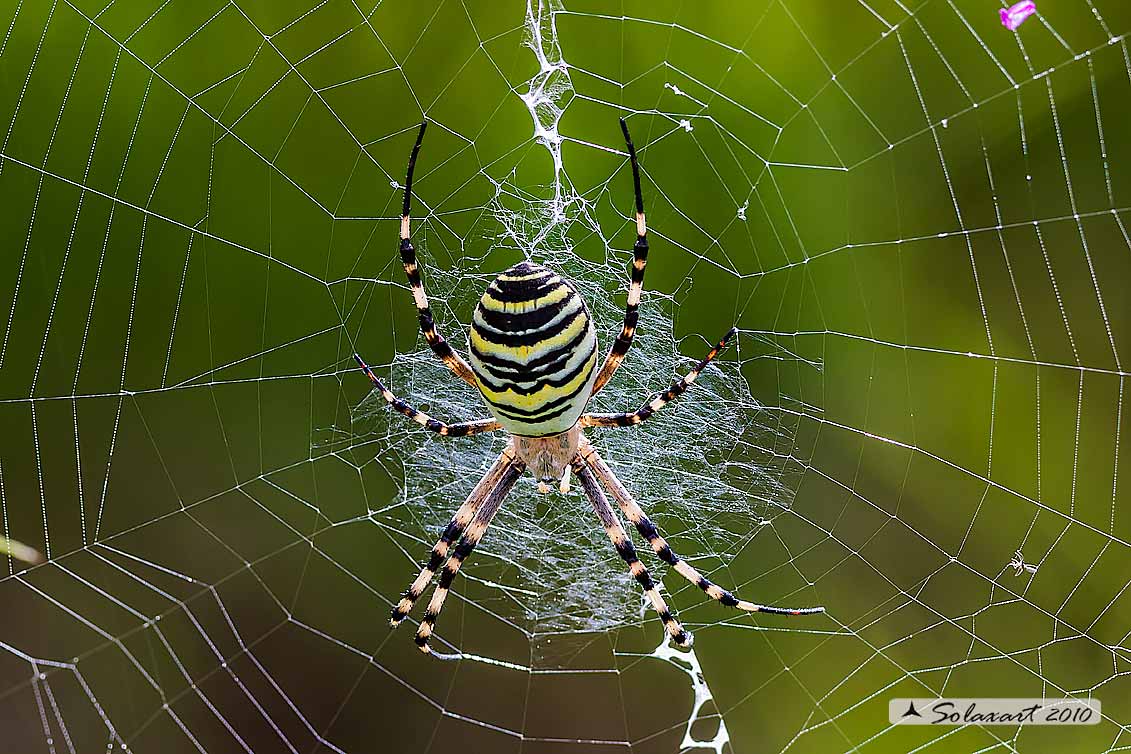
{"x": 474, "y": 532}
{"x": 678, "y": 388}
{"x": 435, "y": 340}
{"x": 632, "y": 510}
{"x": 624, "y": 548}
{"x": 452, "y": 533}
{"x": 533, "y": 351}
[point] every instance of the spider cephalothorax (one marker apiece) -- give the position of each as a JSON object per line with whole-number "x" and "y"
{"x": 548, "y": 458}
{"x": 534, "y": 360}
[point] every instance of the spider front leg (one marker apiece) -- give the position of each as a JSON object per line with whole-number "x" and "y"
{"x": 678, "y": 388}
{"x": 475, "y": 531}
{"x": 639, "y": 261}
{"x": 647, "y": 529}
{"x": 625, "y": 549}
{"x": 452, "y": 532}
{"x": 462, "y": 429}
{"x": 436, "y": 341}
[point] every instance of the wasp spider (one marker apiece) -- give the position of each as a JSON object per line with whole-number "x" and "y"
{"x": 534, "y": 359}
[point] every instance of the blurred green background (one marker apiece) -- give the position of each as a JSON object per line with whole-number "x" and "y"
{"x": 927, "y": 211}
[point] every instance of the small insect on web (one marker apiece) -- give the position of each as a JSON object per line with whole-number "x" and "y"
{"x": 1015, "y": 15}
{"x": 534, "y": 360}
{"x": 1019, "y": 565}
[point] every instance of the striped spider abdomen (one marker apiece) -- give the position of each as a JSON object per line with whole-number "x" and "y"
{"x": 533, "y": 351}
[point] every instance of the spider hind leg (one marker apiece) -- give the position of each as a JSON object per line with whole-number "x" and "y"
{"x": 625, "y": 549}
{"x": 663, "y": 550}
{"x": 475, "y": 531}
{"x": 452, "y": 533}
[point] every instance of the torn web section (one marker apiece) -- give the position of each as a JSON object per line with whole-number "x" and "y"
{"x": 708, "y": 468}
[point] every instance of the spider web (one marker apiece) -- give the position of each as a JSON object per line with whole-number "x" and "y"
{"x": 916, "y": 218}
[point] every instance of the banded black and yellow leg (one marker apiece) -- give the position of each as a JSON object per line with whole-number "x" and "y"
{"x": 634, "y": 513}
{"x": 474, "y": 532}
{"x": 639, "y": 261}
{"x": 452, "y": 532}
{"x": 436, "y": 342}
{"x": 627, "y": 552}
{"x": 461, "y": 429}
{"x": 678, "y": 388}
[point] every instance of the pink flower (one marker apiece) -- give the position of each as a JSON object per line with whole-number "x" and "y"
{"x": 1015, "y": 15}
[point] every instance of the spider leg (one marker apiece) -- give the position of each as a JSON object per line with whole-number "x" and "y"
{"x": 462, "y": 429}
{"x": 439, "y": 346}
{"x": 625, "y": 549}
{"x": 475, "y": 531}
{"x": 678, "y": 388}
{"x": 639, "y": 261}
{"x": 452, "y": 532}
{"x": 647, "y": 529}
